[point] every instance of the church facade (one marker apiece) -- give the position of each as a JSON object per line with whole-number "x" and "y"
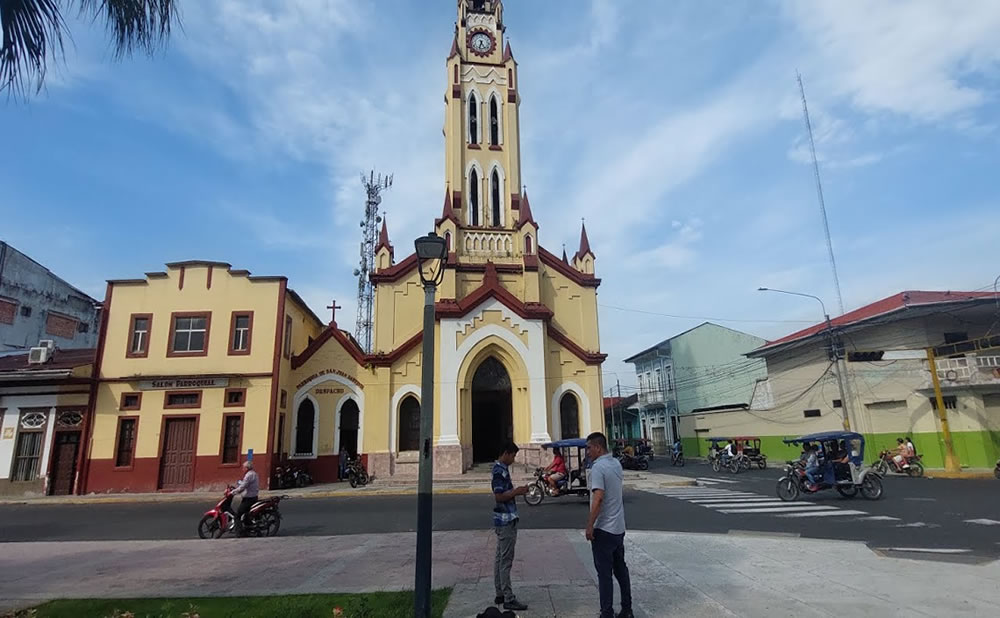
{"x": 517, "y": 349}
{"x": 200, "y": 365}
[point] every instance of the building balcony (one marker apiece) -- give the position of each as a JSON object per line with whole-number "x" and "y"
{"x": 497, "y": 246}
{"x": 971, "y": 370}
{"x": 652, "y": 398}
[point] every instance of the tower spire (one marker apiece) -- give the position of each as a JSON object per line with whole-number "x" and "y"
{"x": 584, "y": 243}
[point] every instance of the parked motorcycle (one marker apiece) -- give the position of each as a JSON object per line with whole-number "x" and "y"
{"x": 886, "y": 464}
{"x": 634, "y": 462}
{"x": 292, "y": 475}
{"x": 356, "y": 472}
{"x": 264, "y": 518}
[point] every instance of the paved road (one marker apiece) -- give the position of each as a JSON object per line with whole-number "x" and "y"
{"x": 921, "y": 513}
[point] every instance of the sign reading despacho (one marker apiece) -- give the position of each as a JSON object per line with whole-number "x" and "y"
{"x": 183, "y": 383}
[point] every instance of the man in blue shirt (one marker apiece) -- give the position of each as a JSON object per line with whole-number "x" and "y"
{"x": 505, "y": 526}
{"x": 606, "y": 526}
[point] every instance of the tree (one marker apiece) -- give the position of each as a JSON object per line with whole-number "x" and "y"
{"x": 33, "y": 30}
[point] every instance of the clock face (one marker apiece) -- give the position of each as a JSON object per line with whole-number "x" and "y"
{"x": 481, "y": 43}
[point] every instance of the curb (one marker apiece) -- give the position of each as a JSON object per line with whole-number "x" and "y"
{"x": 969, "y": 475}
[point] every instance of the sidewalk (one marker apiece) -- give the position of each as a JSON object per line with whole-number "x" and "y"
{"x": 965, "y": 473}
{"x": 396, "y": 487}
{"x": 673, "y": 574}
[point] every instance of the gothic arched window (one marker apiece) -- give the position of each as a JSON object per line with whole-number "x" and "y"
{"x": 528, "y": 245}
{"x": 473, "y": 198}
{"x": 473, "y": 120}
{"x": 496, "y": 204}
{"x": 409, "y": 424}
{"x": 569, "y": 415}
{"x": 494, "y": 122}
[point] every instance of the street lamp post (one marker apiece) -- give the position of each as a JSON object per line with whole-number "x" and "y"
{"x": 834, "y": 350}
{"x": 432, "y": 253}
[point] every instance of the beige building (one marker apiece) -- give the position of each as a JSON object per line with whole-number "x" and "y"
{"x": 887, "y": 381}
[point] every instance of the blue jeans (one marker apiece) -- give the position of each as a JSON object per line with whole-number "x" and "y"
{"x": 609, "y": 558}
{"x": 810, "y": 471}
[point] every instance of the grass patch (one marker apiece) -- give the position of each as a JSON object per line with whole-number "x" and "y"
{"x": 373, "y": 605}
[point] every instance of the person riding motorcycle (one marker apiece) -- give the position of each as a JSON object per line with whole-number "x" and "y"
{"x": 248, "y": 487}
{"x": 812, "y": 465}
{"x": 902, "y": 455}
{"x": 556, "y": 471}
{"x": 727, "y": 453}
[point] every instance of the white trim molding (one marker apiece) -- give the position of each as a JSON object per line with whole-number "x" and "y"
{"x": 397, "y": 400}
{"x": 583, "y": 410}
{"x": 336, "y": 427}
{"x": 350, "y": 388}
{"x": 295, "y": 428}
{"x": 532, "y": 355}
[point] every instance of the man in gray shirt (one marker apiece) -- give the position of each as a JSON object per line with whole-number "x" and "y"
{"x": 606, "y": 526}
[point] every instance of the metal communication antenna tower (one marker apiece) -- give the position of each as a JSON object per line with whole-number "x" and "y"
{"x": 374, "y": 186}
{"x": 819, "y": 192}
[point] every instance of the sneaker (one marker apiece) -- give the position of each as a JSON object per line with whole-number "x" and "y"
{"x": 498, "y": 600}
{"x": 515, "y": 605}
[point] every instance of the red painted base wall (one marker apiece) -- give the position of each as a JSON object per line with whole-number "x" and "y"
{"x": 143, "y": 477}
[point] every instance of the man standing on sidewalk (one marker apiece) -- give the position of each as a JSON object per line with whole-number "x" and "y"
{"x": 505, "y": 525}
{"x": 606, "y": 526}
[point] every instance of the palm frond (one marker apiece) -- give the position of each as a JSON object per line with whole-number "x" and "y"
{"x": 31, "y": 30}
{"x": 134, "y": 24}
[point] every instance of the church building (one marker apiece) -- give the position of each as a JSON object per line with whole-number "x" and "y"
{"x": 202, "y": 364}
{"x": 517, "y": 349}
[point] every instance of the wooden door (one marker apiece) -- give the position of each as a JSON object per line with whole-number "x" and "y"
{"x": 63, "y": 473}
{"x": 177, "y": 458}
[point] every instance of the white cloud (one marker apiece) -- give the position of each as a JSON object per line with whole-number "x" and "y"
{"x": 912, "y": 57}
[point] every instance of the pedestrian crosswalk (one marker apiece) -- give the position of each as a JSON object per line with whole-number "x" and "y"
{"x": 736, "y": 502}
{"x": 715, "y": 481}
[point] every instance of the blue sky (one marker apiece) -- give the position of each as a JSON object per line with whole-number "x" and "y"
{"x": 674, "y": 128}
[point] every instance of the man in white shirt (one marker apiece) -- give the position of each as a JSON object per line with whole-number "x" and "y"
{"x": 606, "y": 526}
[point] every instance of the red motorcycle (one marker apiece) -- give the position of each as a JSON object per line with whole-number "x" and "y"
{"x": 264, "y": 518}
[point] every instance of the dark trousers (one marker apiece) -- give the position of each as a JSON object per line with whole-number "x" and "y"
{"x": 609, "y": 558}
{"x": 245, "y": 504}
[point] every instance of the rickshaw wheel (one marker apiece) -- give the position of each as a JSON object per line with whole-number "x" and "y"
{"x": 534, "y": 495}
{"x": 716, "y": 465}
{"x": 762, "y": 463}
{"x": 871, "y": 487}
{"x": 788, "y": 489}
{"x": 848, "y": 491}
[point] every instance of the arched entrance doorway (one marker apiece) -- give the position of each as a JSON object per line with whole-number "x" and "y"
{"x": 305, "y": 428}
{"x": 492, "y": 410}
{"x": 349, "y": 426}
{"x": 569, "y": 416}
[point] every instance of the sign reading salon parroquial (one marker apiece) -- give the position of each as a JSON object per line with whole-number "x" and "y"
{"x": 178, "y": 383}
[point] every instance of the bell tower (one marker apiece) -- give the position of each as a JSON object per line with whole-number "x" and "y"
{"x": 481, "y": 131}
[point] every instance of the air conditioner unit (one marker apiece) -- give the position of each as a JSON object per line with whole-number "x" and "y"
{"x": 47, "y": 343}
{"x": 38, "y": 356}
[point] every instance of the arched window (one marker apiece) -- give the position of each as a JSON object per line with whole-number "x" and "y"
{"x": 473, "y": 119}
{"x": 305, "y": 428}
{"x": 496, "y": 204}
{"x": 528, "y": 245}
{"x": 409, "y": 424}
{"x": 569, "y": 416}
{"x": 494, "y": 122}
{"x": 447, "y": 241}
{"x": 473, "y": 198}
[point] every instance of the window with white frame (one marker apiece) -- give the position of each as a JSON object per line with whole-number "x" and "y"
{"x": 473, "y": 119}
{"x": 190, "y": 333}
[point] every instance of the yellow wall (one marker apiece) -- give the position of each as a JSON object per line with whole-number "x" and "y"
{"x": 210, "y": 416}
{"x": 162, "y": 296}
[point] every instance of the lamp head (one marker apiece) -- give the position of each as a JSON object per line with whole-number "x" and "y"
{"x": 432, "y": 252}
